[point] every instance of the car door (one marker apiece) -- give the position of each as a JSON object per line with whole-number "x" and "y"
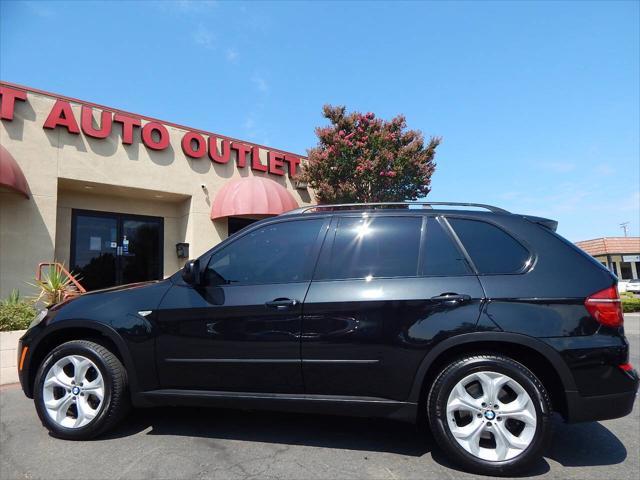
{"x": 386, "y": 289}
{"x": 239, "y": 328}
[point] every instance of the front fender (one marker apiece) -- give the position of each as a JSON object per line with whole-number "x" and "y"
{"x": 41, "y": 339}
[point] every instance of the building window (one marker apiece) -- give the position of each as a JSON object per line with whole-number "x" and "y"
{"x": 235, "y": 224}
{"x": 625, "y": 271}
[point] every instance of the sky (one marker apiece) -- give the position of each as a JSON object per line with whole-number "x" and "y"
{"x": 538, "y": 104}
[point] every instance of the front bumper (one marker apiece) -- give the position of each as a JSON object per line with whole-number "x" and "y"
{"x": 22, "y": 373}
{"x": 27, "y": 372}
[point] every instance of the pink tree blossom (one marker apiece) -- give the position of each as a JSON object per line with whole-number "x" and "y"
{"x": 362, "y": 158}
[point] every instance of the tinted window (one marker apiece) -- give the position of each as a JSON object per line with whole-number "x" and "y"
{"x": 614, "y": 269}
{"x": 491, "y": 249}
{"x": 441, "y": 256}
{"x": 625, "y": 271}
{"x": 373, "y": 247}
{"x": 235, "y": 224}
{"x": 276, "y": 253}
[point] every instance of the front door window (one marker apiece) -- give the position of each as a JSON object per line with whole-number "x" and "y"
{"x": 275, "y": 253}
{"x": 110, "y": 249}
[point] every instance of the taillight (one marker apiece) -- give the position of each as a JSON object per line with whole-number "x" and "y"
{"x": 625, "y": 367}
{"x": 605, "y": 307}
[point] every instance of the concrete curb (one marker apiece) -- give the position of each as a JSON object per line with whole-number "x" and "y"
{"x": 9, "y": 356}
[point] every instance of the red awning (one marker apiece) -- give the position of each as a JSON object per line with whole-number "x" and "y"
{"x": 11, "y": 175}
{"x": 252, "y": 196}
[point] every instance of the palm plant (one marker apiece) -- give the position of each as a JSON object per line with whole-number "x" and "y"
{"x": 55, "y": 285}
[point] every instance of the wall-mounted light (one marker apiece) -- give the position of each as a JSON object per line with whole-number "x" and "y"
{"x": 300, "y": 184}
{"x": 182, "y": 250}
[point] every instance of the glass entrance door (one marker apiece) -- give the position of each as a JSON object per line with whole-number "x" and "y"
{"x": 141, "y": 252}
{"x": 110, "y": 249}
{"x": 94, "y": 247}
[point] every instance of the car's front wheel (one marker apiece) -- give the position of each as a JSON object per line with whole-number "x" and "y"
{"x": 80, "y": 390}
{"x": 490, "y": 413}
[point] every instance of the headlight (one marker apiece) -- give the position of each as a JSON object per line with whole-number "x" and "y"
{"x": 39, "y": 318}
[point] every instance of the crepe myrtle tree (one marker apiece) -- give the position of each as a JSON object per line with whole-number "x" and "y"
{"x": 361, "y": 158}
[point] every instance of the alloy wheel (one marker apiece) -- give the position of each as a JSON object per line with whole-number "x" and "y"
{"x": 491, "y": 416}
{"x": 73, "y": 391}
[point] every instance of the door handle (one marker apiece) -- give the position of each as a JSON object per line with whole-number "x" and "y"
{"x": 282, "y": 303}
{"x": 451, "y": 298}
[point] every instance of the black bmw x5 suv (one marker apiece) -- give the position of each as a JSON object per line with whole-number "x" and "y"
{"x": 479, "y": 322}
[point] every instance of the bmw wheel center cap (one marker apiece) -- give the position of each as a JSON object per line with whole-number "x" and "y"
{"x": 489, "y": 414}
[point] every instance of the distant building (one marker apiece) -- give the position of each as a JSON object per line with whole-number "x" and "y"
{"x": 621, "y": 255}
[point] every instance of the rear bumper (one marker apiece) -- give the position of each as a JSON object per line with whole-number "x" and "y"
{"x": 602, "y": 407}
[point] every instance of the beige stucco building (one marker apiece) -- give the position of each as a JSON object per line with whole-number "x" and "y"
{"x": 112, "y": 193}
{"x": 621, "y": 255}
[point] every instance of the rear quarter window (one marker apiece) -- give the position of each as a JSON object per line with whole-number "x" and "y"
{"x": 492, "y": 250}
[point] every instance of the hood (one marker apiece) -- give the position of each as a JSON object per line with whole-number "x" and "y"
{"x": 117, "y": 288}
{"x": 113, "y": 303}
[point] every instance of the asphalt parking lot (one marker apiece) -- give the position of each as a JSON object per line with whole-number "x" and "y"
{"x": 210, "y": 443}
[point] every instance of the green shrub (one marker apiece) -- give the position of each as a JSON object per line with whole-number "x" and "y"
{"x": 630, "y": 305}
{"x": 16, "y": 315}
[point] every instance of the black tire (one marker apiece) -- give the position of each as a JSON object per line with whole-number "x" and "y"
{"x": 437, "y": 413}
{"x": 115, "y": 404}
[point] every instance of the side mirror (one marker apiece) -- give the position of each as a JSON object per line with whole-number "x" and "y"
{"x": 191, "y": 272}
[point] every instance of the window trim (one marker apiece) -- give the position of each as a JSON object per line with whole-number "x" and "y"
{"x": 421, "y": 247}
{"x": 529, "y": 263}
{"x": 442, "y": 220}
{"x": 451, "y": 236}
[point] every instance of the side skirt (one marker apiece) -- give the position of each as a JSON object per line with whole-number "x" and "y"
{"x": 304, "y": 403}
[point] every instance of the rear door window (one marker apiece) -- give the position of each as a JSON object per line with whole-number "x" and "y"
{"x": 492, "y": 250}
{"x": 441, "y": 257}
{"x": 365, "y": 247}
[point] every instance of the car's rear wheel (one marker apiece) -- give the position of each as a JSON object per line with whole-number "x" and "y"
{"x": 80, "y": 390}
{"x": 490, "y": 413}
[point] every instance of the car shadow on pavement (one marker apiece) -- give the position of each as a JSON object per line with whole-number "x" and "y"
{"x": 374, "y": 435}
{"x": 580, "y": 445}
{"x": 585, "y": 445}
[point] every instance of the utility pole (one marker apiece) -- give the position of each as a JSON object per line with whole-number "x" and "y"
{"x": 625, "y": 227}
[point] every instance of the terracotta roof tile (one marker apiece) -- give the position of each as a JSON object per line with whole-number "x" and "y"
{"x": 611, "y": 245}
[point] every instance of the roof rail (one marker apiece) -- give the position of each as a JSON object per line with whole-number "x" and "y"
{"x": 373, "y": 205}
